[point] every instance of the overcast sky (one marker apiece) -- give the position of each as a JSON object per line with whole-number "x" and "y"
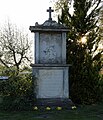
{"x": 24, "y": 12}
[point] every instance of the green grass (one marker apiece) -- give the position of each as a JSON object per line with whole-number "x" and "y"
{"x": 90, "y": 112}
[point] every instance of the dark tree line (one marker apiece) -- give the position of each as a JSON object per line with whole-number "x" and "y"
{"x": 85, "y": 56}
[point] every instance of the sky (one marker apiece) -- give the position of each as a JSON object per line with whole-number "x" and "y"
{"x": 24, "y": 13}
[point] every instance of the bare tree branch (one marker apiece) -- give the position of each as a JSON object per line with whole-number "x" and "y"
{"x": 14, "y": 45}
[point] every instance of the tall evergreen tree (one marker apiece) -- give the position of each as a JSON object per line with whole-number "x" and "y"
{"x": 83, "y": 55}
{"x": 101, "y": 25}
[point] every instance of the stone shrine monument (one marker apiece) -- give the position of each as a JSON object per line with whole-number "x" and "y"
{"x": 50, "y": 66}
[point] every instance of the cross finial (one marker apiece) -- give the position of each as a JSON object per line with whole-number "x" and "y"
{"x": 50, "y": 11}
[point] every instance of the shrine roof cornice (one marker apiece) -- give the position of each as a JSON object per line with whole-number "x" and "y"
{"x": 49, "y": 25}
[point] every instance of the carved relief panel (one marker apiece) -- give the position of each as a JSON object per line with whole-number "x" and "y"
{"x": 50, "y": 48}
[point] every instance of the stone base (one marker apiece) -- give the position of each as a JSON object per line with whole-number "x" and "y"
{"x": 52, "y": 81}
{"x": 54, "y": 102}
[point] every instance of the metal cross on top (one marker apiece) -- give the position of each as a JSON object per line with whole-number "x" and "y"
{"x": 50, "y": 11}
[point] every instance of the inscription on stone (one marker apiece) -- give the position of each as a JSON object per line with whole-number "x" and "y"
{"x": 51, "y": 83}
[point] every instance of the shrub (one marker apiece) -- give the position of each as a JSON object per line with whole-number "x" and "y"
{"x": 86, "y": 87}
{"x": 101, "y": 85}
{"x": 17, "y": 92}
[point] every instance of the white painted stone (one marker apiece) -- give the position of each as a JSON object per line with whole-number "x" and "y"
{"x": 36, "y": 51}
{"x": 50, "y": 67}
{"x": 50, "y": 84}
{"x": 63, "y": 48}
{"x": 50, "y": 48}
{"x": 66, "y": 83}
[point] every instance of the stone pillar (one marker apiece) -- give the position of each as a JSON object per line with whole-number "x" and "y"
{"x": 50, "y": 66}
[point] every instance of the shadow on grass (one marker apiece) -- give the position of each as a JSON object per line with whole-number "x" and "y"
{"x": 89, "y": 112}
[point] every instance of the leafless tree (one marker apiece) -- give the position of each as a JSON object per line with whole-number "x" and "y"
{"x": 14, "y": 47}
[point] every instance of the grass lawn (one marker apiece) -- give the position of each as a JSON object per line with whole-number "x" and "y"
{"x": 90, "y": 112}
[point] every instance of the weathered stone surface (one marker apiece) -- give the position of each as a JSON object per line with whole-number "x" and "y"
{"x": 50, "y": 66}
{"x": 49, "y": 26}
{"x": 52, "y": 82}
{"x": 50, "y": 48}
